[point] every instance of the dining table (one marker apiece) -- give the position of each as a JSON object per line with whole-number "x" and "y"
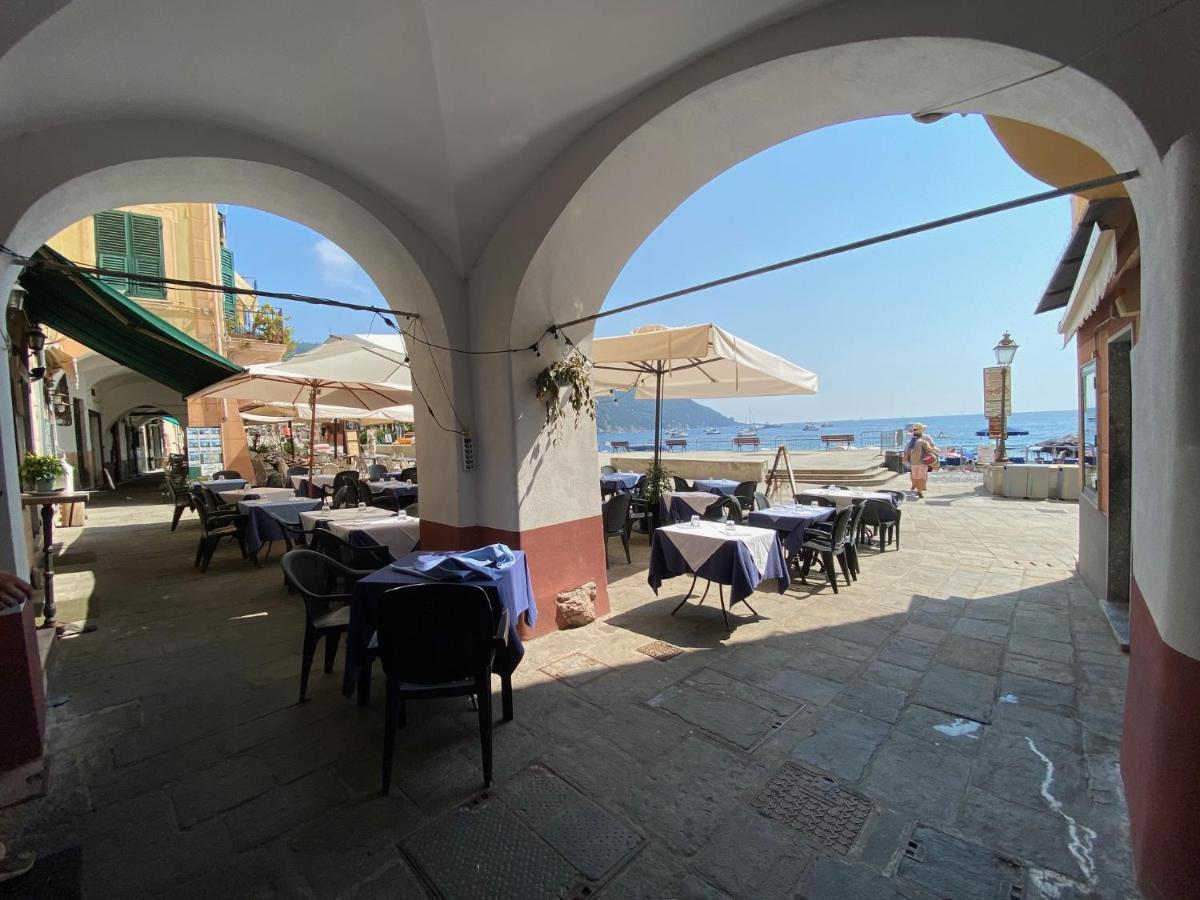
{"x": 740, "y": 556}
{"x": 216, "y": 485}
{"x": 680, "y": 506}
{"x": 230, "y": 498}
{"x": 510, "y": 589}
{"x": 616, "y": 482}
{"x": 261, "y": 528}
{"x": 320, "y": 518}
{"x": 320, "y": 481}
{"x": 399, "y": 533}
{"x": 723, "y": 486}
{"x": 401, "y": 490}
{"x": 791, "y": 522}
{"x": 844, "y": 496}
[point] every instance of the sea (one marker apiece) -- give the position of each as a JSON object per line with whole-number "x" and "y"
{"x": 946, "y": 431}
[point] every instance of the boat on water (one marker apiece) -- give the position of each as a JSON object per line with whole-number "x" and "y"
{"x": 677, "y": 432}
{"x": 751, "y": 431}
{"x": 711, "y": 430}
{"x": 765, "y": 425}
{"x": 812, "y": 426}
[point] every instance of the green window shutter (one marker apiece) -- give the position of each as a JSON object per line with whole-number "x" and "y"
{"x": 146, "y": 255}
{"x": 112, "y": 246}
{"x": 227, "y": 279}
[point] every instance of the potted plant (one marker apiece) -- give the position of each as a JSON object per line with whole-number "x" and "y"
{"x": 39, "y": 472}
{"x": 567, "y": 381}
{"x": 658, "y": 482}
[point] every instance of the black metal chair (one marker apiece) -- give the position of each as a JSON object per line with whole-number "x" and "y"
{"x": 608, "y": 470}
{"x": 326, "y": 613}
{"x": 182, "y": 497}
{"x": 409, "y": 474}
{"x": 744, "y": 493}
{"x": 440, "y": 640}
{"x": 375, "y": 471}
{"x": 724, "y": 510}
{"x": 828, "y": 545}
{"x": 361, "y": 560}
{"x": 884, "y": 518}
{"x": 680, "y": 484}
{"x": 615, "y": 514}
{"x": 227, "y": 474}
{"x": 806, "y": 498}
{"x": 213, "y": 530}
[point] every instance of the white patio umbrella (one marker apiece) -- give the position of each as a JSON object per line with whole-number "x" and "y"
{"x": 330, "y": 382}
{"x": 692, "y": 362}
{"x": 285, "y": 412}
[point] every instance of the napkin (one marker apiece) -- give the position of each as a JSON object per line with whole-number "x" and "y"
{"x": 489, "y": 562}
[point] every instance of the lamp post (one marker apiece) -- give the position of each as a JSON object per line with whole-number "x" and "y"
{"x": 1005, "y": 351}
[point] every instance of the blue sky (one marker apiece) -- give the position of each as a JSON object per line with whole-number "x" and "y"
{"x": 895, "y": 330}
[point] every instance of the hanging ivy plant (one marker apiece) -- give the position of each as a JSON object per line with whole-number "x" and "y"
{"x": 566, "y": 382}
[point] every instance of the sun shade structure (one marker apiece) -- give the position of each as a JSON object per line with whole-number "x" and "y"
{"x": 285, "y": 412}
{"x": 317, "y": 378}
{"x": 694, "y": 362}
{"x": 371, "y": 358}
{"x": 103, "y": 319}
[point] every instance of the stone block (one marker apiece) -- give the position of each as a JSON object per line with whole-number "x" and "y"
{"x": 918, "y": 778}
{"x": 1039, "y": 692}
{"x": 941, "y": 728}
{"x": 957, "y": 691}
{"x": 886, "y": 673}
{"x": 842, "y": 743}
{"x": 874, "y": 700}
{"x": 284, "y": 808}
{"x": 576, "y": 607}
{"x": 202, "y": 795}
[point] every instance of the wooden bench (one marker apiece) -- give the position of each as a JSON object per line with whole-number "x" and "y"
{"x": 747, "y": 440}
{"x": 847, "y": 439}
{"x": 672, "y": 443}
{"x": 619, "y": 445}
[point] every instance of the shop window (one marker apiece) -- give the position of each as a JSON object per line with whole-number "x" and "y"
{"x": 1089, "y": 438}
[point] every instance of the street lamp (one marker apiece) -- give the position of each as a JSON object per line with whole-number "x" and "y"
{"x": 1006, "y": 350}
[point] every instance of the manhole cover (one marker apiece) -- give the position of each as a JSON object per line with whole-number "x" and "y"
{"x": 955, "y": 869}
{"x": 660, "y": 650}
{"x": 815, "y": 804}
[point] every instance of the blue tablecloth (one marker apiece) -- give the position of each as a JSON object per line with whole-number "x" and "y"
{"x": 723, "y": 486}
{"x": 261, "y": 528}
{"x": 732, "y": 564}
{"x": 223, "y": 484}
{"x": 513, "y": 590}
{"x": 679, "y": 510}
{"x": 619, "y": 481}
{"x": 791, "y": 521}
{"x": 399, "y": 490}
{"x": 392, "y": 476}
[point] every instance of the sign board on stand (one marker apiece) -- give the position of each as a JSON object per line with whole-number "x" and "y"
{"x": 995, "y": 428}
{"x": 205, "y": 456}
{"x": 994, "y": 393}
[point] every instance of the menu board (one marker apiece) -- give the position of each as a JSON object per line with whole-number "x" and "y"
{"x": 204, "y": 451}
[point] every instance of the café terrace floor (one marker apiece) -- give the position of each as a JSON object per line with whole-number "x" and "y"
{"x": 948, "y": 726}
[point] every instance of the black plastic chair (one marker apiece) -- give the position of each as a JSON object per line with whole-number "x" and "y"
{"x": 640, "y": 514}
{"x": 828, "y": 545}
{"x": 616, "y": 521}
{"x": 898, "y": 496}
{"x": 856, "y": 513}
{"x": 346, "y": 495}
{"x": 326, "y": 613}
{"x": 761, "y": 501}
{"x": 608, "y": 470}
{"x": 343, "y": 477}
{"x": 361, "y": 560}
{"x": 884, "y": 518}
{"x": 375, "y": 472}
{"x": 364, "y": 493}
{"x": 288, "y": 520}
{"x": 227, "y": 474}
{"x": 213, "y": 530}
{"x": 744, "y": 493}
{"x": 680, "y": 484}
{"x": 724, "y": 510}
{"x": 297, "y": 470}
{"x": 409, "y": 474}
{"x": 806, "y": 498}
{"x": 183, "y": 498}
{"x": 440, "y": 640}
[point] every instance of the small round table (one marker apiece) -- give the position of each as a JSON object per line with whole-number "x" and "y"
{"x": 47, "y": 502}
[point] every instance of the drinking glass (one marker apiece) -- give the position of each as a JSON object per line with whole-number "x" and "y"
{"x": 361, "y": 508}
{"x": 730, "y": 527}
{"x": 695, "y": 521}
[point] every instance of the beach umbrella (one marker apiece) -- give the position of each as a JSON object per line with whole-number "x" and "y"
{"x": 1011, "y": 432}
{"x": 694, "y": 362}
{"x": 283, "y": 412}
{"x": 329, "y": 384}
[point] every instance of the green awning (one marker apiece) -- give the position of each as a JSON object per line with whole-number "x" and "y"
{"x": 103, "y": 319}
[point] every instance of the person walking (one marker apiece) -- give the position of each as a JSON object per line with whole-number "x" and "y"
{"x": 920, "y": 454}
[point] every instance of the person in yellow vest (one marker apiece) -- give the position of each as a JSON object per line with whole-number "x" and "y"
{"x": 920, "y": 454}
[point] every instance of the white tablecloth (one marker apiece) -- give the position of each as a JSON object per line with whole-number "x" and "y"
{"x": 309, "y": 519}
{"x": 696, "y": 545}
{"x": 844, "y": 498}
{"x": 699, "y": 501}
{"x": 264, "y": 493}
{"x": 318, "y": 480}
{"x": 399, "y": 534}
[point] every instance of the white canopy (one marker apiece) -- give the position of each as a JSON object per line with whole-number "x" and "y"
{"x": 697, "y": 362}
{"x": 373, "y": 358}
{"x": 284, "y": 412}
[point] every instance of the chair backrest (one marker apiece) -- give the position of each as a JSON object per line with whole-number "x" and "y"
{"x": 227, "y": 473}
{"x": 723, "y": 509}
{"x": 745, "y": 491}
{"x": 680, "y": 483}
{"x": 342, "y": 477}
{"x": 364, "y": 492}
{"x": 180, "y": 492}
{"x": 806, "y": 498}
{"x": 349, "y": 555}
{"x": 873, "y": 511}
{"x": 608, "y": 470}
{"x": 616, "y": 513}
{"x": 297, "y": 470}
{"x": 314, "y": 576}
{"x": 856, "y": 514}
{"x": 204, "y": 514}
{"x": 409, "y": 474}
{"x": 898, "y": 496}
{"x": 211, "y": 503}
{"x": 639, "y": 489}
{"x": 343, "y": 498}
{"x": 841, "y": 524}
{"x": 375, "y": 471}
{"x": 435, "y": 633}
{"x": 761, "y": 501}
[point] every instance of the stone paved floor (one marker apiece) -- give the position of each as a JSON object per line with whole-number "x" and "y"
{"x": 962, "y": 700}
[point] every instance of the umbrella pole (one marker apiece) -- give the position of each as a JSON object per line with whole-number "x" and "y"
{"x": 312, "y": 433}
{"x": 335, "y": 441}
{"x": 658, "y": 373}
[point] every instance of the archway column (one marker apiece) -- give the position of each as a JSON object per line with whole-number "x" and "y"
{"x": 1160, "y": 748}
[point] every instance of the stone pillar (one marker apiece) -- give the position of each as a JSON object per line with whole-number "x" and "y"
{"x": 1160, "y": 749}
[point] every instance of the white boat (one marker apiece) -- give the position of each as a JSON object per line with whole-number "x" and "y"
{"x": 711, "y": 430}
{"x": 752, "y": 431}
{"x": 677, "y": 432}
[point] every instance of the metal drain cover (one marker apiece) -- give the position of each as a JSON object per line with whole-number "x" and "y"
{"x": 815, "y": 804}
{"x": 955, "y": 869}
{"x": 660, "y": 650}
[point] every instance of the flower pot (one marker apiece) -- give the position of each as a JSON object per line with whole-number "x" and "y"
{"x": 43, "y": 485}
